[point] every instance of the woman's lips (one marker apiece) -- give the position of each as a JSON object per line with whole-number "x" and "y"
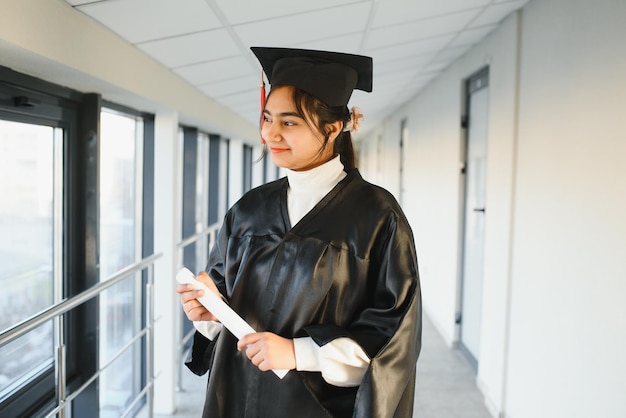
{"x": 278, "y": 150}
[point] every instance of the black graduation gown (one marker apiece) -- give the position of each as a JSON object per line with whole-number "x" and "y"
{"x": 348, "y": 268}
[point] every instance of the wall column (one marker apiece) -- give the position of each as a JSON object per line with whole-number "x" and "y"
{"x": 167, "y": 233}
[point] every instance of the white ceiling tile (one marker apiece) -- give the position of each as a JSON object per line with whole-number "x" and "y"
{"x": 78, "y": 2}
{"x": 521, "y": 3}
{"x": 494, "y": 14}
{"x": 194, "y": 48}
{"x": 233, "y": 86}
{"x": 449, "y": 55}
{"x": 142, "y": 20}
{"x": 347, "y": 43}
{"x": 435, "y": 67}
{"x": 390, "y": 12}
{"x": 418, "y": 30}
{"x": 393, "y": 54}
{"x": 212, "y": 71}
{"x": 253, "y": 11}
{"x": 471, "y": 36}
{"x": 407, "y": 48}
{"x": 392, "y": 80}
{"x": 305, "y": 27}
{"x": 412, "y": 63}
{"x": 241, "y": 98}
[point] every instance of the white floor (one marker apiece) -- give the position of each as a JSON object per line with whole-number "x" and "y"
{"x": 445, "y": 385}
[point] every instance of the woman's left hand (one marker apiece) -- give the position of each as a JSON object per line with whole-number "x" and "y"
{"x": 268, "y": 351}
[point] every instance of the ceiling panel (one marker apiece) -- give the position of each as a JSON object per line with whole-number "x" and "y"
{"x": 190, "y": 49}
{"x": 391, "y": 12}
{"x": 469, "y": 37}
{"x": 305, "y": 27}
{"x": 206, "y": 42}
{"x": 418, "y": 30}
{"x": 142, "y": 20}
{"x": 408, "y": 48}
{"x": 214, "y": 70}
{"x": 225, "y": 88}
{"x": 243, "y": 98}
{"x": 447, "y": 56}
{"x": 410, "y": 63}
{"x": 254, "y": 11}
{"x": 350, "y": 42}
{"x": 494, "y": 14}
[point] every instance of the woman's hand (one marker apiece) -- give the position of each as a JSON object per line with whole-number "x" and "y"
{"x": 194, "y": 310}
{"x": 268, "y": 351}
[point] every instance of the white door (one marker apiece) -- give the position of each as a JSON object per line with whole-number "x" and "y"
{"x": 474, "y": 216}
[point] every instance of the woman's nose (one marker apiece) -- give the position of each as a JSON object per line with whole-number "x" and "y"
{"x": 270, "y": 132}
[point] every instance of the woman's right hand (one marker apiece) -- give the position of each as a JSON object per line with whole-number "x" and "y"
{"x": 194, "y": 310}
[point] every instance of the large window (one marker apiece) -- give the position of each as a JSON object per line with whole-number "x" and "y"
{"x": 120, "y": 246}
{"x": 40, "y": 227}
{"x": 73, "y": 213}
{"x": 30, "y": 161}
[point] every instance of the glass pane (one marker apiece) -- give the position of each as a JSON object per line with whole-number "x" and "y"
{"x": 120, "y": 316}
{"x": 26, "y": 246}
{"x": 202, "y": 201}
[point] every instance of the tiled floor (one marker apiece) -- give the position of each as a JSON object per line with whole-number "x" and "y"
{"x": 445, "y": 385}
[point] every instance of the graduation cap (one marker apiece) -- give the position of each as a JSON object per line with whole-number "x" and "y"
{"x": 329, "y": 76}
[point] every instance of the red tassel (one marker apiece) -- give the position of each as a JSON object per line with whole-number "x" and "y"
{"x": 262, "y": 92}
{"x": 263, "y": 97}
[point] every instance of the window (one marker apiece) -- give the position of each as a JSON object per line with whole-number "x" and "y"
{"x": 30, "y": 214}
{"x": 247, "y": 168}
{"x": 121, "y": 138}
{"x": 74, "y": 212}
{"x": 38, "y": 133}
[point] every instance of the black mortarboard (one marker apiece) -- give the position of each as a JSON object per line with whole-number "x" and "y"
{"x": 329, "y": 76}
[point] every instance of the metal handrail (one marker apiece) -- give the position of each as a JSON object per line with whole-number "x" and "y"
{"x": 209, "y": 231}
{"x": 66, "y": 305}
{"x": 60, "y": 308}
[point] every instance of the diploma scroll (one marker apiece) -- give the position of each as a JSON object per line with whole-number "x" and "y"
{"x": 227, "y": 316}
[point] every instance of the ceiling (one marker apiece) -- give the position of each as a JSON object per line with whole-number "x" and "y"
{"x": 206, "y": 42}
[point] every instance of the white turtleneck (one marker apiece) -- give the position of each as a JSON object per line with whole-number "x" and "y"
{"x": 342, "y": 361}
{"x": 307, "y": 188}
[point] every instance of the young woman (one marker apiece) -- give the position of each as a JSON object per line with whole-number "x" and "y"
{"x": 321, "y": 263}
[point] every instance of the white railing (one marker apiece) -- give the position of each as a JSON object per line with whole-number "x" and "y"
{"x": 210, "y": 232}
{"x": 56, "y": 311}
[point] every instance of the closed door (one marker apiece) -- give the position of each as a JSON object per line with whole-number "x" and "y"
{"x": 474, "y": 215}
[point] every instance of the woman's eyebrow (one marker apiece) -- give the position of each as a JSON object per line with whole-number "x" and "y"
{"x": 282, "y": 114}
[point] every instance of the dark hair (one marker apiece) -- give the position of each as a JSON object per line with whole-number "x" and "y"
{"x": 317, "y": 115}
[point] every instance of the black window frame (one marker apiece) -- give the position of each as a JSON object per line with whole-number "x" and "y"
{"x": 28, "y": 99}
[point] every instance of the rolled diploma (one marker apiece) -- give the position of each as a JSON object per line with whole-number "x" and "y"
{"x": 229, "y": 318}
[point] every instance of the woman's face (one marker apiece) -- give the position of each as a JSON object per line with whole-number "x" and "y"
{"x": 292, "y": 143}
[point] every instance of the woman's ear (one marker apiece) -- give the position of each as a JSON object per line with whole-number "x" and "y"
{"x": 333, "y": 130}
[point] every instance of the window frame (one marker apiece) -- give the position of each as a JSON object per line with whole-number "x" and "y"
{"x": 78, "y": 114}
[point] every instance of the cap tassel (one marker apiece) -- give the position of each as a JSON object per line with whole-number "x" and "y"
{"x": 263, "y": 98}
{"x": 262, "y": 92}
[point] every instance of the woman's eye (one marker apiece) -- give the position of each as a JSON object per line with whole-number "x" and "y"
{"x": 266, "y": 119}
{"x": 289, "y": 123}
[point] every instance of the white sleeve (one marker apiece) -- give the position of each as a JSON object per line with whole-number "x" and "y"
{"x": 209, "y": 329}
{"x": 342, "y": 361}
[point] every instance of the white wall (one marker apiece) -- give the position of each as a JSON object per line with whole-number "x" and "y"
{"x": 568, "y": 321}
{"x": 554, "y": 326}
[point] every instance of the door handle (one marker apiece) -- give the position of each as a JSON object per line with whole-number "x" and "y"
{"x": 479, "y": 210}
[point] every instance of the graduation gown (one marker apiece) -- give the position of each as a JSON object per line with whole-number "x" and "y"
{"x": 348, "y": 268}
